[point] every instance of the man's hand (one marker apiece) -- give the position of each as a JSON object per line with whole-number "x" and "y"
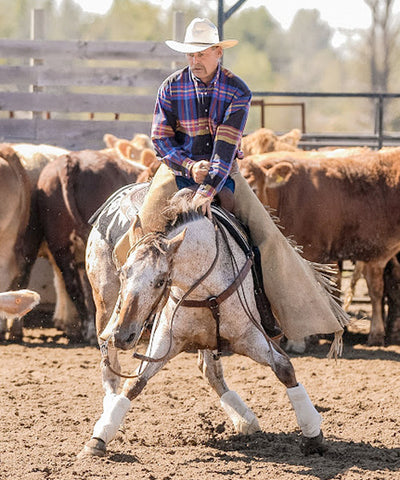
{"x": 200, "y": 201}
{"x": 200, "y": 171}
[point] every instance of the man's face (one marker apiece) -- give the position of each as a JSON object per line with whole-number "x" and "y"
{"x": 204, "y": 64}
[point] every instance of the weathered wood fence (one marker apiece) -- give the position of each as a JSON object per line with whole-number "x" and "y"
{"x": 70, "y": 93}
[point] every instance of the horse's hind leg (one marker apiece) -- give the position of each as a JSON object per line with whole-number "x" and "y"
{"x": 243, "y": 418}
{"x": 308, "y": 419}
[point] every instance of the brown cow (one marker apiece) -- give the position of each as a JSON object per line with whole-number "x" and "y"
{"x": 337, "y": 208}
{"x": 129, "y": 149}
{"x": 264, "y": 140}
{"x": 70, "y": 190}
{"x": 14, "y": 216}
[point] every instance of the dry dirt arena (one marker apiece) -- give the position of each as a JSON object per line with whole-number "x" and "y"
{"x": 51, "y": 396}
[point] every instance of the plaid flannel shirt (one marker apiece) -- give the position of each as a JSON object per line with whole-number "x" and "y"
{"x": 193, "y": 121}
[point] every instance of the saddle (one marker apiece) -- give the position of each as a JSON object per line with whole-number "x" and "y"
{"x": 241, "y": 234}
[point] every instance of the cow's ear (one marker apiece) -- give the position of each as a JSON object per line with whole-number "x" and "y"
{"x": 110, "y": 140}
{"x": 147, "y": 157}
{"x": 278, "y": 175}
{"x": 124, "y": 148}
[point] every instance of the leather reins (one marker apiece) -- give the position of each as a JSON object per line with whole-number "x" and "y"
{"x": 104, "y": 345}
{"x": 214, "y": 302}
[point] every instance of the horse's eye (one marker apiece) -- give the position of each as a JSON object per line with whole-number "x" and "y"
{"x": 160, "y": 283}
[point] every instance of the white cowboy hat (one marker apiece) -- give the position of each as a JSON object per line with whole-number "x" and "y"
{"x": 200, "y": 35}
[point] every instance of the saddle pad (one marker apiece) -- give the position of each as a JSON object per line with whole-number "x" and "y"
{"x": 110, "y": 219}
{"x": 234, "y": 226}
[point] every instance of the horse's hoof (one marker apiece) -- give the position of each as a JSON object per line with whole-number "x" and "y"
{"x": 95, "y": 447}
{"x": 245, "y": 427}
{"x": 309, "y": 446}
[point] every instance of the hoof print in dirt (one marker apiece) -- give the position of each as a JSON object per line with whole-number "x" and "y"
{"x": 309, "y": 446}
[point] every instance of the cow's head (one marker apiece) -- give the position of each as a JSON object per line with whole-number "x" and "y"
{"x": 263, "y": 175}
{"x": 278, "y": 175}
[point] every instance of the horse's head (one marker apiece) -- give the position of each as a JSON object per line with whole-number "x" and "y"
{"x": 145, "y": 281}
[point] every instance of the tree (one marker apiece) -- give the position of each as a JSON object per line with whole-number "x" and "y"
{"x": 381, "y": 42}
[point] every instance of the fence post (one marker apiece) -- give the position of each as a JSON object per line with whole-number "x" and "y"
{"x": 37, "y": 33}
{"x": 380, "y": 121}
{"x": 178, "y": 32}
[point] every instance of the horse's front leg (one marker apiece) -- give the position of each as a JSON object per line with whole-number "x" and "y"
{"x": 243, "y": 418}
{"x": 265, "y": 352}
{"x": 162, "y": 348}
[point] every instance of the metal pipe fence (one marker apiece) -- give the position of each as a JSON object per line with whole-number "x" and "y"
{"x": 377, "y": 140}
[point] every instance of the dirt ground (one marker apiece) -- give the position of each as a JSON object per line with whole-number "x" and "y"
{"x": 51, "y": 396}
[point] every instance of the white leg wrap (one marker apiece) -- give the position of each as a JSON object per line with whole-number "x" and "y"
{"x": 242, "y": 417}
{"x": 115, "y": 408}
{"x": 308, "y": 418}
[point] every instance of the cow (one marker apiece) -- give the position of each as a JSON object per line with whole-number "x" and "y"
{"x": 15, "y": 199}
{"x": 69, "y": 190}
{"x": 14, "y": 305}
{"x": 32, "y": 158}
{"x": 139, "y": 149}
{"x": 264, "y": 140}
{"x": 129, "y": 149}
{"x": 336, "y": 208}
{"x": 14, "y": 215}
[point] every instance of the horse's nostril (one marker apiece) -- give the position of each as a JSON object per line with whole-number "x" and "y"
{"x": 131, "y": 338}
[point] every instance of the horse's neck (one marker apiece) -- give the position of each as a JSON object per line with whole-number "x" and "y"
{"x": 197, "y": 254}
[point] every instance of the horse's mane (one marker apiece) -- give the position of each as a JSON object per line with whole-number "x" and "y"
{"x": 180, "y": 211}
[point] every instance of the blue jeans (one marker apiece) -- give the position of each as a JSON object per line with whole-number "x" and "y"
{"x": 182, "y": 182}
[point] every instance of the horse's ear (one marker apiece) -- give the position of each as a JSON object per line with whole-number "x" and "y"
{"x": 135, "y": 231}
{"x": 175, "y": 242}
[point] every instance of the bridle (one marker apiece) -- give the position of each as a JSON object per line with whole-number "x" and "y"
{"x": 156, "y": 307}
{"x": 212, "y": 302}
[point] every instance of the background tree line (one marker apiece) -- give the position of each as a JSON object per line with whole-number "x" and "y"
{"x": 301, "y": 58}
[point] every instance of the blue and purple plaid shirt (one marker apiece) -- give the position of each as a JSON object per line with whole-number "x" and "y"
{"x": 193, "y": 121}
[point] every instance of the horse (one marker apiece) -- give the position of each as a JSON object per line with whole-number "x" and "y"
{"x": 193, "y": 280}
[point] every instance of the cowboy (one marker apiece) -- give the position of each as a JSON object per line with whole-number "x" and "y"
{"x": 199, "y": 118}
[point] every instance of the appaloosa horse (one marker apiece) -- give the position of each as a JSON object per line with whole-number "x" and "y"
{"x": 194, "y": 277}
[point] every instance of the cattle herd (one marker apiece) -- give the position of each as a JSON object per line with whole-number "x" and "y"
{"x": 337, "y": 204}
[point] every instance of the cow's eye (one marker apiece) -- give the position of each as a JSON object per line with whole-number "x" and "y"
{"x": 160, "y": 283}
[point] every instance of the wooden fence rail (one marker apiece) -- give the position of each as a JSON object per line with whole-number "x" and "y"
{"x": 84, "y": 89}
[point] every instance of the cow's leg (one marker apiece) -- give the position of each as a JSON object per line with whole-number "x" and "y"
{"x": 15, "y": 328}
{"x": 66, "y": 263}
{"x": 89, "y": 326}
{"x": 355, "y": 277}
{"x": 65, "y": 316}
{"x": 255, "y": 346}
{"x": 374, "y": 277}
{"x": 115, "y": 406}
{"x": 243, "y": 418}
{"x": 392, "y": 295}
{"x": 3, "y": 328}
